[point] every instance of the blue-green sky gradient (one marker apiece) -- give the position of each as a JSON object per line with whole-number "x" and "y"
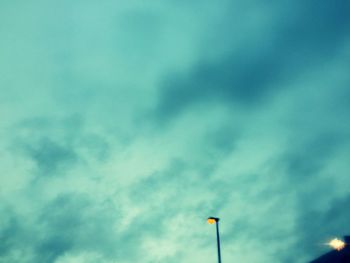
{"x": 124, "y": 124}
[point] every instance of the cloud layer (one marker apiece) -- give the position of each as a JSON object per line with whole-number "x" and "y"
{"x": 124, "y": 125}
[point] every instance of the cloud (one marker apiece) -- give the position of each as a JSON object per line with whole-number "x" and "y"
{"x": 9, "y": 230}
{"x": 67, "y": 223}
{"x": 49, "y": 156}
{"x": 251, "y": 72}
{"x": 313, "y": 156}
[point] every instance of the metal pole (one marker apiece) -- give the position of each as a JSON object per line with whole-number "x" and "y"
{"x": 218, "y": 240}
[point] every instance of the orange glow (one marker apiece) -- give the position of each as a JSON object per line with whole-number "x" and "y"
{"x": 337, "y": 244}
{"x": 211, "y": 221}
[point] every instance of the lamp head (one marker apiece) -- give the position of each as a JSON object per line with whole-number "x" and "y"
{"x": 213, "y": 220}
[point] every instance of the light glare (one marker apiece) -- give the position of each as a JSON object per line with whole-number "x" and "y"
{"x": 337, "y": 244}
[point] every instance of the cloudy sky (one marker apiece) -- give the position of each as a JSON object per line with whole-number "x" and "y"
{"x": 124, "y": 124}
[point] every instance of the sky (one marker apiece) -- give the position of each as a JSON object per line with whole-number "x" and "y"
{"x": 124, "y": 124}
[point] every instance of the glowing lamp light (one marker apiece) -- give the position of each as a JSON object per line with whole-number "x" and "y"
{"x": 337, "y": 244}
{"x": 213, "y": 220}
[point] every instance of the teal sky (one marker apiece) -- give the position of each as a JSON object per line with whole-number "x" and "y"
{"x": 125, "y": 124}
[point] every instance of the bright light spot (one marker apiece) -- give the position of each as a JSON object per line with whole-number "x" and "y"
{"x": 337, "y": 244}
{"x": 211, "y": 221}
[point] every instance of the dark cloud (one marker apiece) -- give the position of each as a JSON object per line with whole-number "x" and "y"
{"x": 74, "y": 223}
{"x": 308, "y": 35}
{"x": 70, "y": 223}
{"x": 16, "y": 237}
{"x": 50, "y": 157}
{"x": 52, "y": 248}
{"x": 234, "y": 80}
{"x": 311, "y": 156}
{"x": 61, "y": 223}
{"x": 48, "y": 143}
{"x": 56, "y": 145}
{"x": 9, "y": 231}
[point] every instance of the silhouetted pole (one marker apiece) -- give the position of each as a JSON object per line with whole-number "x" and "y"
{"x": 212, "y": 220}
{"x": 218, "y": 240}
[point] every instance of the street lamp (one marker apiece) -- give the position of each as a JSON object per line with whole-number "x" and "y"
{"x": 336, "y": 244}
{"x": 215, "y": 220}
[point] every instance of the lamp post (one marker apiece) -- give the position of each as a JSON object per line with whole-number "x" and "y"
{"x": 215, "y": 220}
